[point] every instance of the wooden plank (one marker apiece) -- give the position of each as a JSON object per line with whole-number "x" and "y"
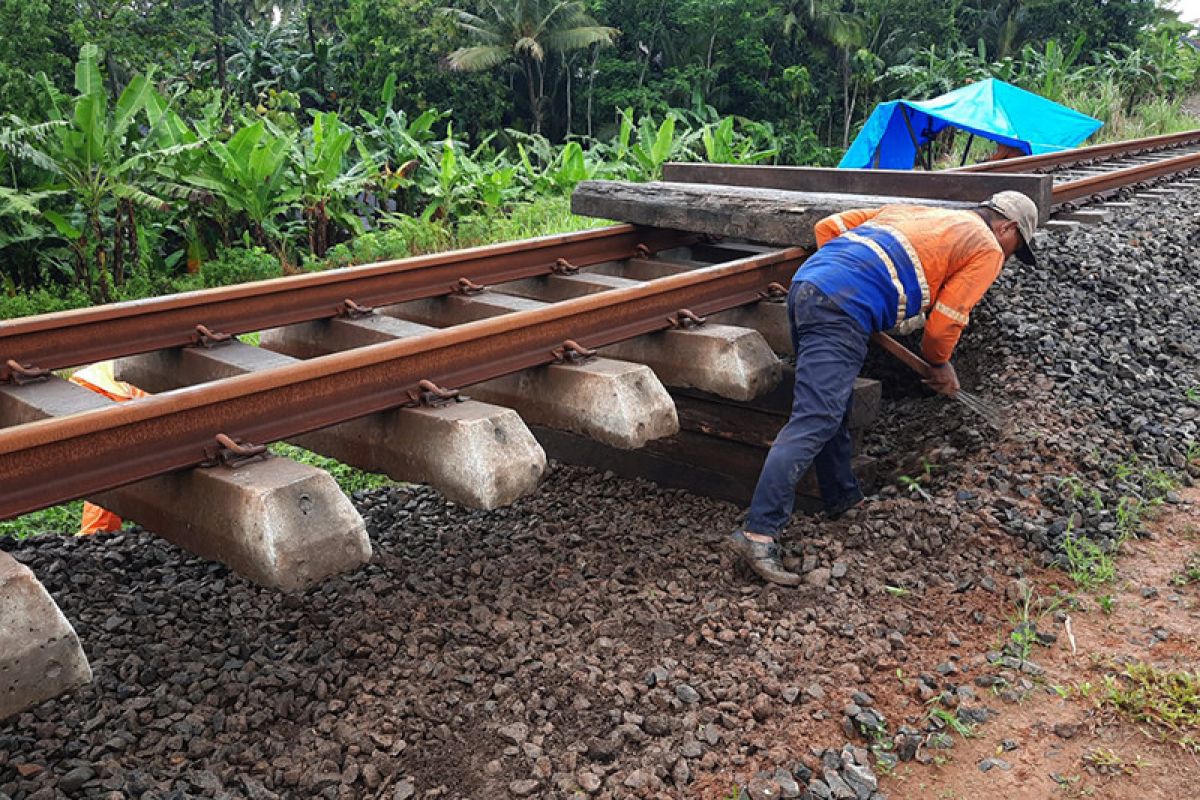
{"x": 967, "y": 186}
{"x": 868, "y": 395}
{"x": 760, "y": 215}
{"x": 755, "y": 428}
{"x": 691, "y": 461}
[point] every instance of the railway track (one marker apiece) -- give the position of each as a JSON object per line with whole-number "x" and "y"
{"x": 1102, "y": 172}
{"x": 62, "y": 458}
{"x": 367, "y": 365}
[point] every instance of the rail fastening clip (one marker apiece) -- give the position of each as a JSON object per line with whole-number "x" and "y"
{"x": 203, "y": 337}
{"x": 21, "y": 374}
{"x": 232, "y": 453}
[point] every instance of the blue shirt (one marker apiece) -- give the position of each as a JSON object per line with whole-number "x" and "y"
{"x": 867, "y": 273}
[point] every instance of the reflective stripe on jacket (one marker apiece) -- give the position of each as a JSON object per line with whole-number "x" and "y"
{"x": 884, "y": 265}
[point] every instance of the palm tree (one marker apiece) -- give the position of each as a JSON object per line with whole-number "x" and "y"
{"x": 526, "y": 31}
{"x": 848, "y": 32}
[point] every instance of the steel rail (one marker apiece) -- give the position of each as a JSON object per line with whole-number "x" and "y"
{"x": 53, "y": 460}
{"x": 1083, "y": 155}
{"x": 1109, "y": 182}
{"x": 71, "y": 338}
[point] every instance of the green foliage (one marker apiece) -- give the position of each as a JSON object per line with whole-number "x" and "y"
{"x": 93, "y": 157}
{"x": 326, "y": 180}
{"x": 56, "y": 519}
{"x": 239, "y": 265}
{"x": 268, "y": 56}
{"x": 1189, "y": 573}
{"x": 29, "y": 46}
{"x": 947, "y": 719}
{"x": 248, "y": 175}
{"x": 529, "y": 33}
{"x": 349, "y": 479}
{"x": 1088, "y": 564}
{"x": 41, "y": 301}
{"x": 407, "y": 42}
{"x": 198, "y": 126}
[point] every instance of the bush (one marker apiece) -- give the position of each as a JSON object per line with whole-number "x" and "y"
{"x": 402, "y": 237}
{"x": 147, "y": 283}
{"x": 239, "y": 265}
{"x": 41, "y": 301}
{"x": 383, "y": 245}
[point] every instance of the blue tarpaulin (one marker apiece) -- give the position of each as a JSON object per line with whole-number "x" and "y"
{"x": 991, "y": 109}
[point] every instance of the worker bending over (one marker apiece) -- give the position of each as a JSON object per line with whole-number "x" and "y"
{"x": 874, "y": 269}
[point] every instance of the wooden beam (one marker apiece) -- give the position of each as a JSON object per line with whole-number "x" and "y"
{"x": 757, "y": 421}
{"x": 940, "y": 185}
{"x": 760, "y": 215}
{"x": 697, "y": 463}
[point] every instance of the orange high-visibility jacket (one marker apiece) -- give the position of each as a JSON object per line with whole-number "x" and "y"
{"x": 904, "y": 258}
{"x": 99, "y": 378}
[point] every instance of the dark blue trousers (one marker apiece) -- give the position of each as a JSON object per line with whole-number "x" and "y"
{"x": 830, "y": 349}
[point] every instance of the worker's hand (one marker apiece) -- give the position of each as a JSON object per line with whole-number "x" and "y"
{"x": 943, "y": 379}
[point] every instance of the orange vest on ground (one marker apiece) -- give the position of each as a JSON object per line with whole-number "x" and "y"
{"x": 100, "y": 379}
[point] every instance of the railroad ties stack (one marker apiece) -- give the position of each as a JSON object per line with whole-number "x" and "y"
{"x": 651, "y": 349}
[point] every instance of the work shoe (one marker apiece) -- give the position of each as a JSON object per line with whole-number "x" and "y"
{"x": 840, "y": 508}
{"x": 763, "y": 558}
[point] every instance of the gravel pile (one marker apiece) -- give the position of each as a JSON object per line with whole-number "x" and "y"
{"x": 594, "y": 641}
{"x": 1095, "y": 355}
{"x": 590, "y": 638}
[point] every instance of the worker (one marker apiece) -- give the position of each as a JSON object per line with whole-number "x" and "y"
{"x": 874, "y": 270}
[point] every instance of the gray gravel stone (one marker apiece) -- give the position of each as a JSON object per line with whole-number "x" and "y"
{"x": 523, "y": 788}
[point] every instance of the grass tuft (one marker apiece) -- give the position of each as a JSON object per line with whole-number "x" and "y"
{"x": 1167, "y": 701}
{"x": 1109, "y": 762}
{"x": 949, "y": 720}
{"x": 1088, "y": 564}
{"x": 350, "y": 480}
{"x": 1190, "y": 573}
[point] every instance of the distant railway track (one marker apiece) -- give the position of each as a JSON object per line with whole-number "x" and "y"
{"x": 1093, "y": 174}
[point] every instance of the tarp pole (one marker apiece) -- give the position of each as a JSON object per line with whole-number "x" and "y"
{"x": 911, "y": 133}
{"x": 967, "y": 150}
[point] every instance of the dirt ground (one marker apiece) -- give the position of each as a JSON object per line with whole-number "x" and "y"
{"x": 1152, "y": 620}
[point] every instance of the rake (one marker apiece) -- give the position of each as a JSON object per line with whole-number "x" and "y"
{"x": 973, "y": 403}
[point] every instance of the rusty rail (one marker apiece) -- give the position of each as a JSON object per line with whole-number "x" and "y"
{"x": 1109, "y": 182}
{"x": 1086, "y": 155}
{"x": 70, "y": 338}
{"x": 53, "y": 460}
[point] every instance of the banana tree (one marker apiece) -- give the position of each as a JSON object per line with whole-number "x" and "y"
{"x": 392, "y": 148}
{"x": 249, "y": 176}
{"x": 94, "y": 156}
{"x": 562, "y": 172}
{"x": 465, "y": 182}
{"x": 325, "y": 182}
{"x": 723, "y": 145}
{"x": 653, "y": 147}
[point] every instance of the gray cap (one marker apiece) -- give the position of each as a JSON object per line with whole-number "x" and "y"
{"x": 1021, "y": 210}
